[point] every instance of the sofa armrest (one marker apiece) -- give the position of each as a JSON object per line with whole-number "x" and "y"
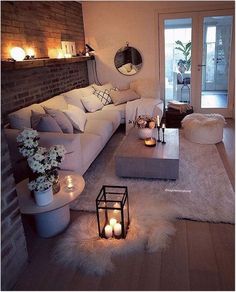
{"x": 71, "y": 142}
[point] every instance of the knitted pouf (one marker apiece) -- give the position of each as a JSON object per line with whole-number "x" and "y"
{"x": 203, "y": 128}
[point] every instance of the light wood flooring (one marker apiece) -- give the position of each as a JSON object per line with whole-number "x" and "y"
{"x": 199, "y": 257}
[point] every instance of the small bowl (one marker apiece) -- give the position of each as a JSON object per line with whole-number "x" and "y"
{"x": 150, "y": 142}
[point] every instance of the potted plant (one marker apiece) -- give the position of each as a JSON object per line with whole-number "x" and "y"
{"x": 43, "y": 163}
{"x": 186, "y": 51}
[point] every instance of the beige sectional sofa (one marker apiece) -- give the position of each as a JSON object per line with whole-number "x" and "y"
{"x": 82, "y": 148}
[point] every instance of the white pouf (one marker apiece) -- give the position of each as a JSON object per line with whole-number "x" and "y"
{"x": 203, "y": 128}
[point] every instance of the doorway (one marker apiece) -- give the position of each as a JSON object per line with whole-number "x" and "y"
{"x": 196, "y": 60}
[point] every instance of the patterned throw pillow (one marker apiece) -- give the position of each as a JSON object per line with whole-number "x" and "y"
{"x": 104, "y": 96}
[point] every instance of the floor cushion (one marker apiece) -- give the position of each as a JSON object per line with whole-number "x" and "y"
{"x": 203, "y": 128}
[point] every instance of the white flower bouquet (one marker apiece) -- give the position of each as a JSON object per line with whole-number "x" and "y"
{"x": 145, "y": 121}
{"x": 43, "y": 163}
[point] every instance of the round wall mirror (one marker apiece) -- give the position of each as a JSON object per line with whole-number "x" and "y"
{"x": 128, "y": 60}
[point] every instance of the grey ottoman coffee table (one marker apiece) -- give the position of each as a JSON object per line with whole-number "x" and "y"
{"x": 134, "y": 159}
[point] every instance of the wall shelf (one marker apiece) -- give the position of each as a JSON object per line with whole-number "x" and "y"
{"x": 27, "y": 64}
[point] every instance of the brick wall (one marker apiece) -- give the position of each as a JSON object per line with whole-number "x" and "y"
{"x": 24, "y": 87}
{"x": 41, "y": 26}
{"x": 13, "y": 248}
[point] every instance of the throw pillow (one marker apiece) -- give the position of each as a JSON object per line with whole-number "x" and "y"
{"x": 74, "y": 97}
{"x": 102, "y": 87}
{"x": 76, "y": 116}
{"x": 44, "y": 123}
{"x": 91, "y": 103}
{"x": 62, "y": 120}
{"x": 104, "y": 96}
{"x": 122, "y": 96}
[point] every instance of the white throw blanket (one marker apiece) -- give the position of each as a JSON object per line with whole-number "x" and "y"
{"x": 143, "y": 106}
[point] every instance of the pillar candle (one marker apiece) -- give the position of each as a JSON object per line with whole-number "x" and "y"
{"x": 117, "y": 229}
{"x": 112, "y": 222}
{"x": 108, "y": 231}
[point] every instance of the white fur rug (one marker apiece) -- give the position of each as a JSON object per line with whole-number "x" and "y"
{"x": 202, "y": 192}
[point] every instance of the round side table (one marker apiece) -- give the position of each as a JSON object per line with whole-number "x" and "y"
{"x": 53, "y": 218}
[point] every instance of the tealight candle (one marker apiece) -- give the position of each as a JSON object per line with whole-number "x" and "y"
{"x": 117, "y": 229}
{"x": 69, "y": 182}
{"x": 108, "y": 231}
{"x": 112, "y": 222}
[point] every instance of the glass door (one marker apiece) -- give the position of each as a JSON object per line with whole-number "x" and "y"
{"x": 217, "y": 32}
{"x": 178, "y": 48}
{"x": 196, "y": 60}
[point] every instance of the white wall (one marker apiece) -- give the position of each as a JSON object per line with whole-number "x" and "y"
{"x": 108, "y": 25}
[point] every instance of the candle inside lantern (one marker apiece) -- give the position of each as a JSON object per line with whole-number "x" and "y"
{"x": 117, "y": 229}
{"x": 163, "y": 126}
{"x": 108, "y": 231}
{"x": 69, "y": 182}
{"x": 158, "y": 121}
{"x": 112, "y": 222}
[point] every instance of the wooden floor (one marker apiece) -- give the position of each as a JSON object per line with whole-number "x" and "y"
{"x": 199, "y": 257}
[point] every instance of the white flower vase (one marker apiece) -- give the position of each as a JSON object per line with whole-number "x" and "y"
{"x": 43, "y": 198}
{"x": 145, "y": 133}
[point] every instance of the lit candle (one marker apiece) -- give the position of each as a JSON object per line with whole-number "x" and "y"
{"x": 163, "y": 126}
{"x": 158, "y": 121}
{"x": 69, "y": 182}
{"x": 113, "y": 222}
{"x": 108, "y": 231}
{"x": 117, "y": 229}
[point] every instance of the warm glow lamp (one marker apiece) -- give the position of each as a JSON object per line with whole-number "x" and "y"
{"x": 17, "y": 53}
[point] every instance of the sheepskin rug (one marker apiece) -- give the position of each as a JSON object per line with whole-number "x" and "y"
{"x": 81, "y": 248}
{"x": 202, "y": 192}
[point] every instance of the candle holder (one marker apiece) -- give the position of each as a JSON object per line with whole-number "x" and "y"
{"x": 150, "y": 142}
{"x": 69, "y": 183}
{"x": 112, "y": 207}
{"x": 158, "y": 134}
{"x": 163, "y": 136}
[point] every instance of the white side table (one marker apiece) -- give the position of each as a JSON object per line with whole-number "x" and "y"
{"x": 54, "y": 217}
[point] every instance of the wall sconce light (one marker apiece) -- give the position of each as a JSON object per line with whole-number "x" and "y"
{"x": 17, "y": 53}
{"x": 88, "y": 50}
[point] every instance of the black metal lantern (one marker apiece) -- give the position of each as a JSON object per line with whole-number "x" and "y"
{"x": 113, "y": 211}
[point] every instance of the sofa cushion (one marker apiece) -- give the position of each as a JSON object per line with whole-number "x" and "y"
{"x": 21, "y": 119}
{"x": 112, "y": 116}
{"x": 76, "y": 116}
{"x": 62, "y": 120}
{"x": 122, "y": 96}
{"x": 44, "y": 123}
{"x": 57, "y": 102}
{"x": 91, "y": 145}
{"x": 102, "y": 128}
{"x": 74, "y": 97}
{"x": 91, "y": 103}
